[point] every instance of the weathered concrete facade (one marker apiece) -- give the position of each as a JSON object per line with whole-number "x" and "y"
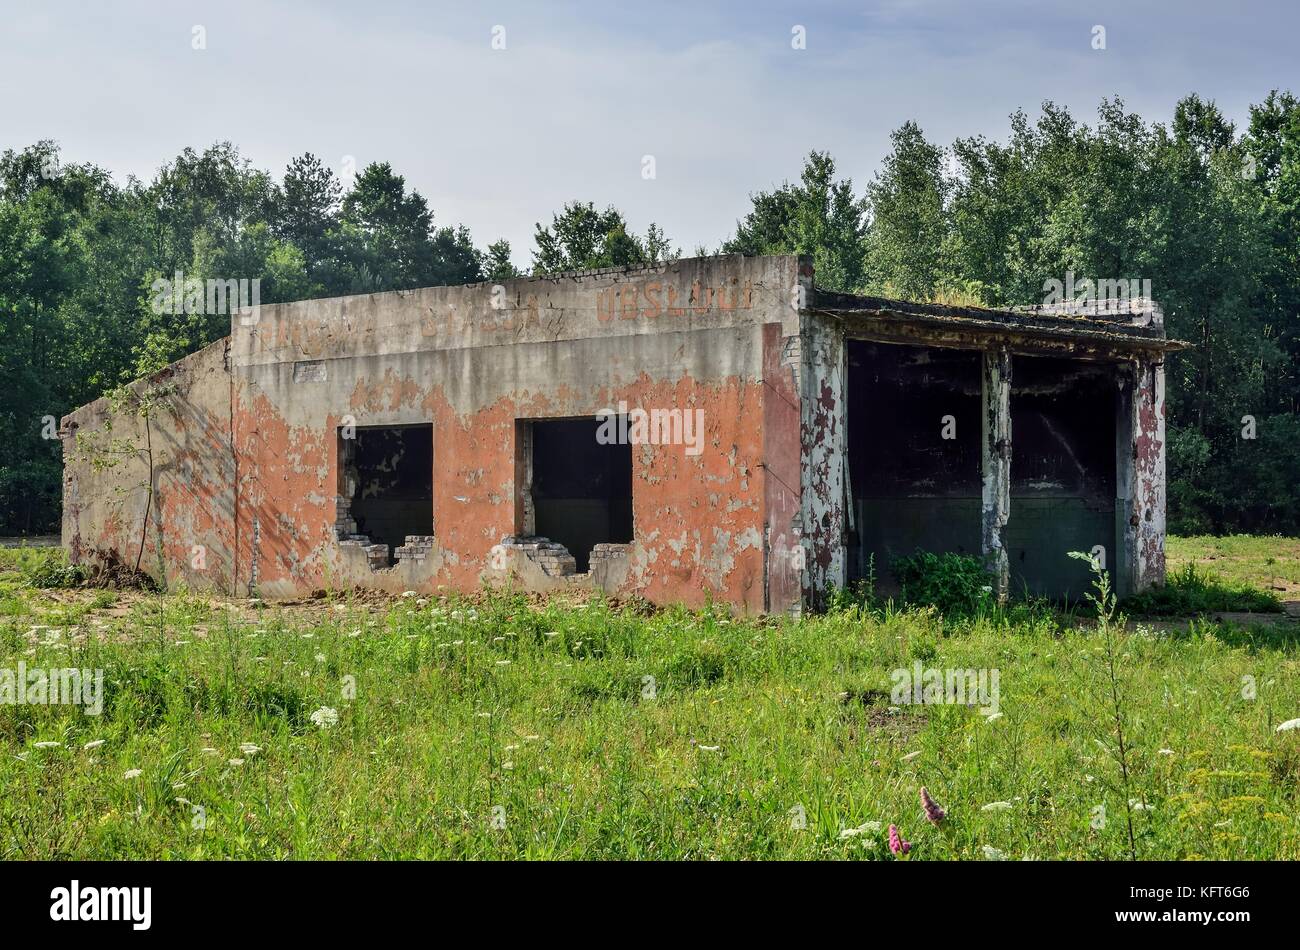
{"x": 295, "y": 455}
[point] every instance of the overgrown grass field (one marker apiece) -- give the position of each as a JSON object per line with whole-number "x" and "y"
{"x": 497, "y": 728}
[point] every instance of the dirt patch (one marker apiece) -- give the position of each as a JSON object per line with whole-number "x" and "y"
{"x": 865, "y": 697}
{"x": 899, "y": 725}
{"x": 883, "y": 719}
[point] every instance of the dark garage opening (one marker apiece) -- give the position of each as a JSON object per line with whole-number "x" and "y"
{"x": 581, "y": 489}
{"x": 1063, "y": 467}
{"x": 913, "y": 429}
{"x": 387, "y": 474}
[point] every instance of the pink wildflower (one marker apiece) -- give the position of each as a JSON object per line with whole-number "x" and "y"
{"x": 933, "y": 812}
{"x": 896, "y": 843}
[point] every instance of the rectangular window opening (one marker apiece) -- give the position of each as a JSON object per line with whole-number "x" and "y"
{"x": 577, "y": 491}
{"x": 386, "y": 483}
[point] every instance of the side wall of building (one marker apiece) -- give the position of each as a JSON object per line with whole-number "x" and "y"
{"x": 149, "y": 479}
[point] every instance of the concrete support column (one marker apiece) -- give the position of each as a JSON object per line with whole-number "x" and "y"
{"x": 996, "y": 466}
{"x": 1143, "y": 411}
{"x": 786, "y": 559}
{"x": 823, "y": 453}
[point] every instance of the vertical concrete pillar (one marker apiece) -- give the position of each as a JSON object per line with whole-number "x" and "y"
{"x": 1142, "y": 474}
{"x": 525, "y": 520}
{"x": 786, "y": 559}
{"x": 823, "y": 455}
{"x": 1122, "y": 563}
{"x": 996, "y": 465}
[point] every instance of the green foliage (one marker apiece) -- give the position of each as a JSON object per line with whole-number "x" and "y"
{"x": 582, "y": 238}
{"x": 1192, "y": 591}
{"x": 819, "y": 217}
{"x": 909, "y": 227}
{"x": 1111, "y": 686}
{"x": 42, "y": 567}
{"x": 956, "y": 584}
{"x": 497, "y": 264}
{"x": 859, "y": 596}
{"x": 51, "y": 574}
{"x": 855, "y": 596}
{"x": 390, "y": 239}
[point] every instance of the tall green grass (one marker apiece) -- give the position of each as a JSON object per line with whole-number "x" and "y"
{"x": 1191, "y": 590}
{"x": 491, "y": 728}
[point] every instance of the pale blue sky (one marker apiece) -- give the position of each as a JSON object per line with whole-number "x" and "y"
{"x": 498, "y": 139}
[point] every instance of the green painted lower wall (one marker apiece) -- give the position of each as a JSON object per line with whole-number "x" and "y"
{"x": 895, "y": 527}
{"x": 1039, "y": 534}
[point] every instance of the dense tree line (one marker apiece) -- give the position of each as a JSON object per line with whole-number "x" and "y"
{"x": 1208, "y": 213}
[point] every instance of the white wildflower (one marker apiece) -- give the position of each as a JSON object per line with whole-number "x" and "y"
{"x": 93, "y": 744}
{"x": 133, "y": 773}
{"x": 325, "y": 717}
{"x": 866, "y": 828}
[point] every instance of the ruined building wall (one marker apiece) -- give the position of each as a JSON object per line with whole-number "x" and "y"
{"x": 803, "y": 470}
{"x": 715, "y": 335}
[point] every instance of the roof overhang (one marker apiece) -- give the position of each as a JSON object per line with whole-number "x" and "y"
{"x": 1037, "y": 334}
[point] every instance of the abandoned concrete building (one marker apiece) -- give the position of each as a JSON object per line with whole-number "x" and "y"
{"x": 707, "y": 429}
